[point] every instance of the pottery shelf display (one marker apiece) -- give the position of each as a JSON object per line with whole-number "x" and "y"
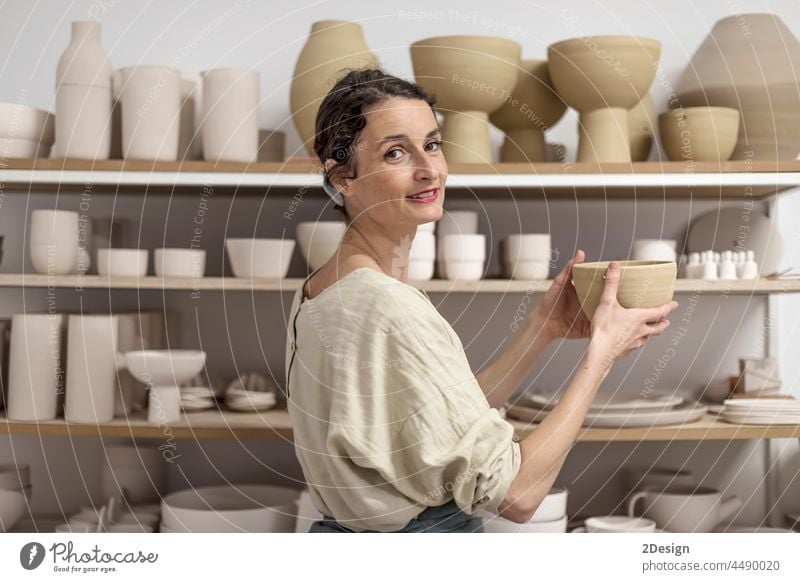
{"x": 602, "y": 77}
{"x": 749, "y": 62}
{"x": 471, "y": 77}
{"x": 333, "y": 47}
{"x": 529, "y": 111}
{"x": 83, "y": 96}
{"x": 700, "y": 134}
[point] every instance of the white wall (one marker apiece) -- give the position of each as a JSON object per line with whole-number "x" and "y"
{"x": 268, "y": 37}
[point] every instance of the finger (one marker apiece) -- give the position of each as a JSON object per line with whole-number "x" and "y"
{"x": 565, "y": 273}
{"x": 609, "y": 295}
{"x": 580, "y": 256}
{"x": 657, "y": 328}
{"x": 655, "y": 314}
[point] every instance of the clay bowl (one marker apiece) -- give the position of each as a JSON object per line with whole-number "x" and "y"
{"x": 467, "y": 73}
{"x": 702, "y": 134}
{"x": 603, "y": 71}
{"x": 641, "y": 283}
{"x": 532, "y": 108}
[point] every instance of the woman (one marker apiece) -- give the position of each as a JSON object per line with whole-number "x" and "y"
{"x": 393, "y": 431}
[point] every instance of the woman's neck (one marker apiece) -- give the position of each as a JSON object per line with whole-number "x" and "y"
{"x": 388, "y": 248}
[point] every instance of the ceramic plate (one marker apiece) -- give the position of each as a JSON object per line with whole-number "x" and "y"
{"x": 722, "y": 231}
{"x": 688, "y": 412}
{"x": 761, "y": 419}
{"x": 614, "y": 403}
{"x": 762, "y": 404}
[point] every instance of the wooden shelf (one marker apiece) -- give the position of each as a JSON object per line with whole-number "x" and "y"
{"x": 275, "y": 425}
{"x": 654, "y": 180}
{"x": 738, "y": 287}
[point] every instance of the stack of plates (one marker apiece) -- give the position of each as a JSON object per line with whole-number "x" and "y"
{"x": 761, "y": 411}
{"x": 618, "y": 411}
{"x": 230, "y": 508}
{"x": 197, "y": 398}
{"x": 249, "y": 400}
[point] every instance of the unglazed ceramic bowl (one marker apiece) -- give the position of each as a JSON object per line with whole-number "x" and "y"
{"x": 641, "y": 284}
{"x": 700, "y": 134}
{"x": 260, "y": 257}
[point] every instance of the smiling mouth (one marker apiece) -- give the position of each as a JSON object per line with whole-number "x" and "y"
{"x": 426, "y": 196}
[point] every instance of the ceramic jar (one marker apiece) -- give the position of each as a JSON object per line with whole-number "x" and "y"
{"x": 231, "y": 99}
{"x": 332, "y": 46}
{"x": 150, "y": 99}
{"x": 83, "y": 96}
{"x": 35, "y": 374}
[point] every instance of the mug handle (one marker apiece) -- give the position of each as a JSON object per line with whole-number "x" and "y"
{"x": 632, "y": 503}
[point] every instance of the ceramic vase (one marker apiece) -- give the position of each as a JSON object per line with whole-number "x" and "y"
{"x": 35, "y": 374}
{"x": 332, "y": 47}
{"x": 749, "y": 62}
{"x": 531, "y": 109}
{"x": 83, "y": 96}
{"x": 150, "y": 98}
{"x": 231, "y": 100}
{"x": 92, "y": 364}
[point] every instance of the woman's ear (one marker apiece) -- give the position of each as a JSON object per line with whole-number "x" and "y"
{"x": 338, "y": 183}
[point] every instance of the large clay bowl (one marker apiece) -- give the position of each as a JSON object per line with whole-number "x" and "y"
{"x": 603, "y": 71}
{"x": 701, "y": 134}
{"x": 641, "y": 283}
{"x": 467, "y": 73}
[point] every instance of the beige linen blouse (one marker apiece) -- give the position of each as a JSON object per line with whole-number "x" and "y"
{"x": 388, "y": 418}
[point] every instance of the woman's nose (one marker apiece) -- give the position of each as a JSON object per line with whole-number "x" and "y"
{"x": 425, "y": 168}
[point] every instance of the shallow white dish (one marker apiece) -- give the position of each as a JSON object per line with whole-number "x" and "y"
{"x": 496, "y": 524}
{"x": 686, "y": 413}
{"x": 614, "y": 403}
{"x": 760, "y": 419}
{"x": 231, "y": 508}
{"x": 762, "y": 405}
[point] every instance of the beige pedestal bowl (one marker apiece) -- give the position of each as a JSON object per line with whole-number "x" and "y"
{"x": 471, "y": 77}
{"x": 532, "y": 108}
{"x": 602, "y": 77}
{"x": 641, "y": 283}
{"x": 700, "y": 134}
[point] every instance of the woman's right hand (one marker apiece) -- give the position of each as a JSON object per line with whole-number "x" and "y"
{"x": 618, "y": 331}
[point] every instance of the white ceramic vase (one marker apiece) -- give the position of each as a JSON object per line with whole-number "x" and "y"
{"x": 92, "y": 364}
{"x": 231, "y": 100}
{"x": 150, "y": 98}
{"x": 35, "y": 374}
{"x": 83, "y": 96}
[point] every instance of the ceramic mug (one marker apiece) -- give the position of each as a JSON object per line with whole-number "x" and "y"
{"x": 616, "y": 524}
{"x": 684, "y": 509}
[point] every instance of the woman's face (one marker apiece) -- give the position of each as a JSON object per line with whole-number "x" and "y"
{"x": 398, "y": 155}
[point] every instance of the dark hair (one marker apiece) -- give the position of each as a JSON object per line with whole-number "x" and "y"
{"x": 341, "y": 115}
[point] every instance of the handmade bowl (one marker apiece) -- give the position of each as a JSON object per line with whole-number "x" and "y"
{"x": 641, "y": 283}
{"x": 700, "y": 134}
{"x": 319, "y": 240}
{"x": 122, "y": 262}
{"x": 260, "y": 257}
{"x": 183, "y": 263}
{"x": 164, "y": 367}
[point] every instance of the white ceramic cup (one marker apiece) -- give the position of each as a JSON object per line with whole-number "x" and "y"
{"x": 454, "y": 222}
{"x": 122, "y": 262}
{"x": 54, "y": 241}
{"x": 92, "y": 364}
{"x": 231, "y": 99}
{"x": 685, "y": 509}
{"x": 527, "y": 247}
{"x": 182, "y": 263}
{"x": 528, "y": 270}
{"x": 150, "y": 96}
{"x": 35, "y": 373}
{"x": 464, "y": 247}
{"x": 164, "y": 405}
{"x": 647, "y": 249}
{"x": 260, "y": 257}
{"x": 423, "y": 248}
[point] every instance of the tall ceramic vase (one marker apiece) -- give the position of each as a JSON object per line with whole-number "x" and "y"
{"x": 83, "y": 96}
{"x": 150, "y": 97}
{"x": 231, "y": 99}
{"x": 92, "y": 364}
{"x": 332, "y": 47}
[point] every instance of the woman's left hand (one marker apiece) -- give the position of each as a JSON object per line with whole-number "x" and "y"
{"x": 560, "y": 311}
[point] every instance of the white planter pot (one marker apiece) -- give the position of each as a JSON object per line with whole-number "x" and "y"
{"x": 231, "y": 99}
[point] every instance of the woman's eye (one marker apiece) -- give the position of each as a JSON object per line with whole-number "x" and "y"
{"x": 390, "y": 156}
{"x": 436, "y": 145}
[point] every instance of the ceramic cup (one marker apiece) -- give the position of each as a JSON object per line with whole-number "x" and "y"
{"x": 422, "y": 256}
{"x": 150, "y": 96}
{"x": 617, "y": 524}
{"x": 35, "y": 374}
{"x": 122, "y": 262}
{"x": 454, "y": 222}
{"x": 684, "y": 509}
{"x": 260, "y": 257}
{"x": 54, "y": 241}
{"x": 649, "y": 249}
{"x": 464, "y": 256}
{"x": 183, "y": 263}
{"x": 527, "y": 256}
